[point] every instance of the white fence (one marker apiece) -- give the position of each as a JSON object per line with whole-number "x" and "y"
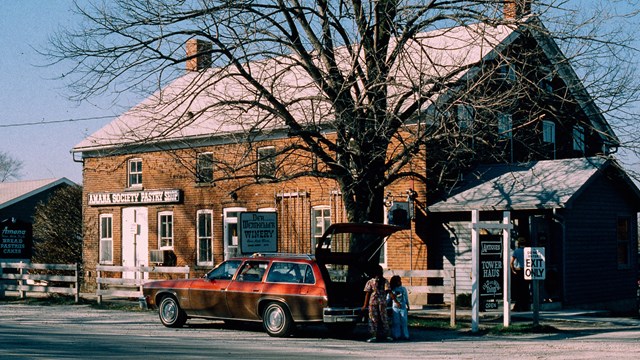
{"x": 129, "y": 279}
{"x": 23, "y": 280}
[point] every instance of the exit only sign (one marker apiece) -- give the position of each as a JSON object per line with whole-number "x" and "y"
{"x": 534, "y": 263}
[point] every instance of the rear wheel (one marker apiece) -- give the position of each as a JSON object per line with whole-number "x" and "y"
{"x": 276, "y": 320}
{"x": 171, "y": 315}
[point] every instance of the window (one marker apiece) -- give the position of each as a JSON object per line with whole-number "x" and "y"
{"x": 204, "y": 168}
{"x": 252, "y": 271}
{"x": 465, "y": 116}
{"x": 549, "y": 137}
{"x": 578, "y": 138}
{"x": 106, "y": 239}
{"x": 295, "y": 273}
{"x": 624, "y": 237}
{"x": 224, "y": 271}
{"x": 165, "y": 230}
{"x": 505, "y": 125}
{"x": 266, "y": 161}
{"x": 205, "y": 237}
{"x": 320, "y": 221}
{"x": 134, "y": 173}
{"x": 548, "y": 131}
{"x": 507, "y": 71}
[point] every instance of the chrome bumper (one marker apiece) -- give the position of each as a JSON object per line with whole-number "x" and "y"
{"x": 342, "y": 315}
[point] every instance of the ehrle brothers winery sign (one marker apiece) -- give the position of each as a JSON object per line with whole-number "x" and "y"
{"x": 135, "y": 197}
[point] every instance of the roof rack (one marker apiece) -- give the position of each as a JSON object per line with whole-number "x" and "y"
{"x": 287, "y": 255}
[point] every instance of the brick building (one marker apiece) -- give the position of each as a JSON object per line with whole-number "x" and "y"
{"x": 159, "y": 194}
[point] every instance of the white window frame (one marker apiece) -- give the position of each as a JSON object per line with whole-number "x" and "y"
{"x": 204, "y": 166}
{"x": 578, "y": 138}
{"x": 266, "y": 161}
{"x": 134, "y": 176}
{"x": 106, "y": 239}
{"x": 320, "y": 221}
{"x": 165, "y": 240}
{"x": 204, "y": 238}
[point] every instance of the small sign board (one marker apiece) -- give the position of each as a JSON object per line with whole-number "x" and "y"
{"x": 534, "y": 263}
{"x": 491, "y": 273}
{"x": 16, "y": 240}
{"x": 258, "y": 232}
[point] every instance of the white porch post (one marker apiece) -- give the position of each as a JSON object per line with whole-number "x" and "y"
{"x": 475, "y": 270}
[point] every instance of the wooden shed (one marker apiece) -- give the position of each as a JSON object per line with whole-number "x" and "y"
{"x": 583, "y": 211}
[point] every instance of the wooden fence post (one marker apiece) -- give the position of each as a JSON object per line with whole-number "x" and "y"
{"x": 453, "y": 298}
{"x": 21, "y": 282}
{"x": 77, "y": 283}
{"x": 98, "y": 285}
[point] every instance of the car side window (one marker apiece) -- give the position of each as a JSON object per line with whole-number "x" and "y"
{"x": 224, "y": 271}
{"x": 252, "y": 271}
{"x": 286, "y": 272}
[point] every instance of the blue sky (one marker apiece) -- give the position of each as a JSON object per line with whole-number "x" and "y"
{"x": 30, "y": 94}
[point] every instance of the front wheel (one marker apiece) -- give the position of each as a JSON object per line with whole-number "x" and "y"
{"x": 276, "y": 320}
{"x": 171, "y": 315}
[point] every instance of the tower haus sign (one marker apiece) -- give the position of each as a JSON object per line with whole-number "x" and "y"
{"x": 135, "y": 197}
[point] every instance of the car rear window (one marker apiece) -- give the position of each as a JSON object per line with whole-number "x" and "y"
{"x": 289, "y": 272}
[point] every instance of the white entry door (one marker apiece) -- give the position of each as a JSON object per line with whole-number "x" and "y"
{"x": 135, "y": 239}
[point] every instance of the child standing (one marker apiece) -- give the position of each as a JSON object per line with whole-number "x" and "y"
{"x": 400, "y": 307}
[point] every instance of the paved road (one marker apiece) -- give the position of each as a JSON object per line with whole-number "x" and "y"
{"x": 81, "y": 332}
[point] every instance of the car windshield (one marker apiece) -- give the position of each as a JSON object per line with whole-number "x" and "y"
{"x": 224, "y": 271}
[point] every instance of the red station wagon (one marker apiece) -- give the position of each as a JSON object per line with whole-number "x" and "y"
{"x": 280, "y": 290}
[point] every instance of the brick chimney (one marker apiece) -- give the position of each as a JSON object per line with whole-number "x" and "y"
{"x": 516, "y": 9}
{"x": 198, "y": 54}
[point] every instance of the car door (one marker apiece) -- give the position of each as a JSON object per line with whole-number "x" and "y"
{"x": 244, "y": 292}
{"x": 295, "y": 284}
{"x": 207, "y": 296}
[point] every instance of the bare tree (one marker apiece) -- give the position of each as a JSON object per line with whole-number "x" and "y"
{"x": 360, "y": 87}
{"x": 9, "y": 167}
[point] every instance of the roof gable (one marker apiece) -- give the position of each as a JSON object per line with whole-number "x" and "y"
{"x": 13, "y": 192}
{"x": 544, "y": 184}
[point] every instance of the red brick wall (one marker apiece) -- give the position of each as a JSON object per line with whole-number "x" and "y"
{"x": 175, "y": 170}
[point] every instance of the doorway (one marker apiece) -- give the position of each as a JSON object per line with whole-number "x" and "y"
{"x": 135, "y": 239}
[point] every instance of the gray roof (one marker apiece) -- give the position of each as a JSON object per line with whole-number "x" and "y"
{"x": 543, "y": 184}
{"x": 13, "y": 192}
{"x": 168, "y": 115}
